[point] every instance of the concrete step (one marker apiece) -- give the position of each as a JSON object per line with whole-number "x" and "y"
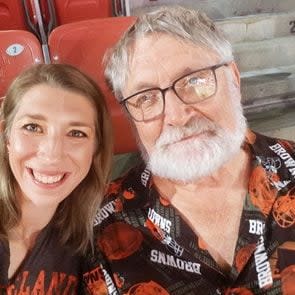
{"x": 258, "y": 55}
{"x": 258, "y": 27}
{"x": 276, "y": 123}
{"x": 287, "y": 133}
{"x": 267, "y": 85}
{"x": 216, "y": 9}
{"x": 268, "y": 97}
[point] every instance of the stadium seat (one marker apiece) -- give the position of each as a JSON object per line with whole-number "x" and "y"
{"x": 76, "y": 10}
{"x": 83, "y": 44}
{"x": 12, "y": 15}
{"x": 18, "y": 50}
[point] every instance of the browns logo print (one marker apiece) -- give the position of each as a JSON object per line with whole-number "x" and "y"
{"x": 95, "y": 282}
{"x": 261, "y": 191}
{"x": 243, "y": 256}
{"x": 129, "y": 193}
{"x": 119, "y": 240}
{"x": 238, "y": 291}
{"x": 155, "y": 230}
{"x": 114, "y": 187}
{"x": 288, "y": 279}
{"x": 149, "y": 288}
{"x": 119, "y": 280}
{"x": 284, "y": 210}
{"x": 118, "y": 205}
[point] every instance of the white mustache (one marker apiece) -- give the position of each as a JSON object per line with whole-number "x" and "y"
{"x": 174, "y": 134}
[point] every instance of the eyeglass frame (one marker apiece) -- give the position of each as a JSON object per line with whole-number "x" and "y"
{"x": 172, "y": 87}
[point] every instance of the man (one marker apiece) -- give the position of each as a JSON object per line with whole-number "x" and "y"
{"x": 211, "y": 210}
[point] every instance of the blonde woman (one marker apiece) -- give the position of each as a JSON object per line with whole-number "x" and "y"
{"x": 55, "y": 159}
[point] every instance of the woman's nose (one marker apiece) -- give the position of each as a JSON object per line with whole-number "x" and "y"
{"x": 51, "y": 148}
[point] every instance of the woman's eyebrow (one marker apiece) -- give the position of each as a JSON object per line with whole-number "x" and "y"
{"x": 32, "y": 116}
{"x": 81, "y": 124}
{"x": 43, "y": 118}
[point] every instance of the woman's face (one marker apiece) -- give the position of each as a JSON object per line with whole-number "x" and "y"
{"x": 51, "y": 143}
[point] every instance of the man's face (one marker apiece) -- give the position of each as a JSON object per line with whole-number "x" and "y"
{"x": 186, "y": 134}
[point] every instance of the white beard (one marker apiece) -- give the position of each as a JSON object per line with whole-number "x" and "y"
{"x": 198, "y": 156}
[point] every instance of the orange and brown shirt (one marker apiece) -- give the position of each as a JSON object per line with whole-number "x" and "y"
{"x": 143, "y": 245}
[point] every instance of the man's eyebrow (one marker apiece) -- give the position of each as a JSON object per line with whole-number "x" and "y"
{"x": 143, "y": 85}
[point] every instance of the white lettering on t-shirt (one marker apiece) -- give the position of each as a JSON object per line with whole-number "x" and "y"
{"x": 170, "y": 260}
{"x": 161, "y": 222}
{"x": 285, "y": 156}
{"x": 256, "y": 227}
{"x": 262, "y": 265}
{"x": 104, "y": 212}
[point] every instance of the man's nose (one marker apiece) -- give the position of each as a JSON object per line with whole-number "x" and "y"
{"x": 51, "y": 148}
{"x": 177, "y": 113}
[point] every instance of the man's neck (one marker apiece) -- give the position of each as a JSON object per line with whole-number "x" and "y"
{"x": 232, "y": 175}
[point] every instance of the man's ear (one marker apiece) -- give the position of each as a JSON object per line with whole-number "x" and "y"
{"x": 236, "y": 74}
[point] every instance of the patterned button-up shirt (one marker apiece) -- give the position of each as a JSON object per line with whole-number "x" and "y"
{"x": 144, "y": 246}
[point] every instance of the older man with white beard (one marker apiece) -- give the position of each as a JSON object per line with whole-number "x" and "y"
{"x": 208, "y": 210}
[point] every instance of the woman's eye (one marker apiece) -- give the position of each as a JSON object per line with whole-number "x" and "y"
{"x": 32, "y": 127}
{"x": 77, "y": 133}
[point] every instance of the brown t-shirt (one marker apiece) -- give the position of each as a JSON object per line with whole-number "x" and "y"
{"x": 148, "y": 248}
{"x": 47, "y": 269}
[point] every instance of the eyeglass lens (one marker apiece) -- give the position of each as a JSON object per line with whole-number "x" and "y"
{"x": 191, "y": 88}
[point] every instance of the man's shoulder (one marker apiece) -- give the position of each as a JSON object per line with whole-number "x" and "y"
{"x": 136, "y": 178}
{"x": 275, "y": 155}
{"x": 126, "y": 193}
{"x": 264, "y": 144}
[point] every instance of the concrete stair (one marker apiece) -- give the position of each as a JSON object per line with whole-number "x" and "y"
{"x": 216, "y": 9}
{"x": 267, "y": 84}
{"x": 264, "y": 49}
{"x": 257, "y": 27}
{"x": 269, "y": 53}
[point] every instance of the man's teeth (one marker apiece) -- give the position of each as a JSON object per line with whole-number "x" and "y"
{"x": 47, "y": 179}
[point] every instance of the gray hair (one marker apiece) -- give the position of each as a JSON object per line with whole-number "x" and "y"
{"x": 189, "y": 25}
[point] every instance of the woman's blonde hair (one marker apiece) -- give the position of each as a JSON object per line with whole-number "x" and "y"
{"x": 74, "y": 215}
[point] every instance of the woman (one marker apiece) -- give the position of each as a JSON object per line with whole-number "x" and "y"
{"x": 55, "y": 160}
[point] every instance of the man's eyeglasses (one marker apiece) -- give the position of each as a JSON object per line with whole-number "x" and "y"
{"x": 191, "y": 88}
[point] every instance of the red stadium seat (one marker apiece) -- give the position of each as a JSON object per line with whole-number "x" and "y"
{"x": 12, "y": 15}
{"x": 18, "y": 50}
{"x": 83, "y": 44}
{"x": 76, "y": 10}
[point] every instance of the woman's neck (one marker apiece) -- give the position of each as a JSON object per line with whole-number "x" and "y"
{"x": 33, "y": 219}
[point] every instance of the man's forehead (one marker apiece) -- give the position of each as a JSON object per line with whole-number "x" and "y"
{"x": 157, "y": 59}
{"x": 162, "y": 48}
{"x": 161, "y": 43}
